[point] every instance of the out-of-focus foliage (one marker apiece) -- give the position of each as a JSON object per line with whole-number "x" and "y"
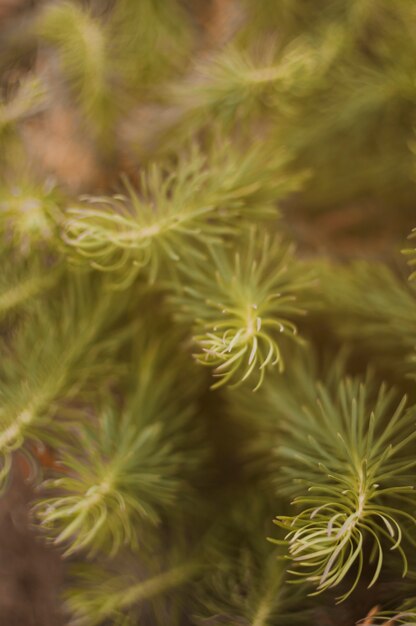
{"x": 138, "y": 460}
{"x": 370, "y": 305}
{"x": 83, "y": 51}
{"x": 246, "y": 581}
{"x": 57, "y": 349}
{"x": 125, "y": 596}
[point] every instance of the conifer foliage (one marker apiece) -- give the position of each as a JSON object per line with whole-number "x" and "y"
{"x": 208, "y": 305}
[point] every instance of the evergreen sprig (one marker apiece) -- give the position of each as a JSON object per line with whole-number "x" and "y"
{"x": 230, "y": 87}
{"x": 138, "y": 462}
{"x": 242, "y": 302}
{"x": 235, "y": 86}
{"x": 49, "y": 359}
{"x": 358, "y": 455}
{"x": 176, "y": 214}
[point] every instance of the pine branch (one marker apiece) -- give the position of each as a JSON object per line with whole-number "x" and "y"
{"x": 137, "y": 463}
{"x": 57, "y": 350}
{"x": 241, "y": 303}
{"x": 358, "y": 457}
{"x": 230, "y": 87}
{"x": 177, "y": 215}
{"x": 234, "y": 86}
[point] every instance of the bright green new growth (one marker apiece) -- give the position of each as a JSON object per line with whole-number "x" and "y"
{"x": 243, "y": 305}
{"x": 359, "y": 460}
